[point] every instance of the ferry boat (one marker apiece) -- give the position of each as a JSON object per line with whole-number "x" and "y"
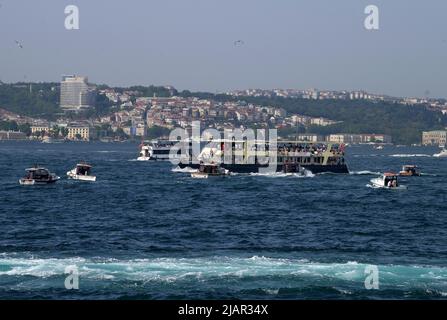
{"x": 156, "y": 150}
{"x": 38, "y": 175}
{"x": 82, "y": 172}
{"x": 291, "y": 157}
{"x": 387, "y": 181}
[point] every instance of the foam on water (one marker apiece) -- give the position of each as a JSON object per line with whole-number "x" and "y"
{"x": 364, "y": 172}
{"x": 410, "y": 155}
{"x": 306, "y": 174}
{"x": 176, "y": 269}
{"x": 184, "y": 170}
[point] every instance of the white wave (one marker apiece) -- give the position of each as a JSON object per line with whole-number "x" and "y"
{"x": 410, "y": 155}
{"x": 364, "y": 172}
{"x": 184, "y": 170}
{"x": 306, "y": 174}
{"x": 178, "y": 269}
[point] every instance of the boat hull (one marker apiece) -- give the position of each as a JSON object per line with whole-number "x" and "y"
{"x": 254, "y": 168}
{"x": 378, "y": 184}
{"x": 70, "y": 175}
{"x": 32, "y": 182}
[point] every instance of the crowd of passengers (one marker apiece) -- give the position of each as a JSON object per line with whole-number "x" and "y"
{"x": 314, "y": 149}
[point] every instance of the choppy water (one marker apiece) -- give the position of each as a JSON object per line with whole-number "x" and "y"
{"x": 144, "y": 231}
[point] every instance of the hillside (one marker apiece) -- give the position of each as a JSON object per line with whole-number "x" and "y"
{"x": 404, "y": 123}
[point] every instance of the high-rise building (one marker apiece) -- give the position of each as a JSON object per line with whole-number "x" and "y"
{"x": 76, "y": 94}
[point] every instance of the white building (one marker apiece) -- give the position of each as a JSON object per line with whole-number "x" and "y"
{"x": 437, "y": 137}
{"x": 76, "y": 93}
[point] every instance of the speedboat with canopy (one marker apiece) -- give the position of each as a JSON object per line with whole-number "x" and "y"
{"x": 38, "y": 175}
{"x": 83, "y": 172}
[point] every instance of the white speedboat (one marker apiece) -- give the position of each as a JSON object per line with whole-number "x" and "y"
{"x": 387, "y": 181}
{"x": 209, "y": 170}
{"x": 38, "y": 175}
{"x": 442, "y": 154}
{"x": 145, "y": 153}
{"x": 81, "y": 172}
{"x": 379, "y": 147}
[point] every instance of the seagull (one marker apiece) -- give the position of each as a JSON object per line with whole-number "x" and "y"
{"x": 19, "y": 44}
{"x": 239, "y": 43}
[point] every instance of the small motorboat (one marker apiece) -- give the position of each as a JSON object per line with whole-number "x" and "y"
{"x": 210, "y": 170}
{"x": 409, "y": 171}
{"x": 442, "y": 154}
{"x": 379, "y": 147}
{"x": 82, "y": 172}
{"x": 145, "y": 153}
{"x": 38, "y": 175}
{"x": 388, "y": 181}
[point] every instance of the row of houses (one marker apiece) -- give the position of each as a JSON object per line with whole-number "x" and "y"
{"x": 12, "y": 135}
{"x": 74, "y": 132}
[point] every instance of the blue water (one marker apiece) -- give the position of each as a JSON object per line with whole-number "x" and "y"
{"x": 143, "y": 231}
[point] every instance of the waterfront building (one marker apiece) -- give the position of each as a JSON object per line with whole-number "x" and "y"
{"x": 12, "y": 135}
{"x": 436, "y": 137}
{"x": 39, "y": 129}
{"x": 80, "y": 132}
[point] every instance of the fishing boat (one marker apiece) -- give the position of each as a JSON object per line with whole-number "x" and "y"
{"x": 442, "y": 154}
{"x": 209, "y": 170}
{"x": 409, "y": 170}
{"x": 388, "y": 181}
{"x": 82, "y": 172}
{"x": 38, "y": 175}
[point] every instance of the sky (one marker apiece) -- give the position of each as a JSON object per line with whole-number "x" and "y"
{"x": 189, "y": 44}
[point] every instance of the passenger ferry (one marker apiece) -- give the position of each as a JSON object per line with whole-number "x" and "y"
{"x": 291, "y": 157}
{"x": 156, "y": 150}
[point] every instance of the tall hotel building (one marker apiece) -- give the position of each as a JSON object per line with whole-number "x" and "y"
{"x": 76, "y": 93}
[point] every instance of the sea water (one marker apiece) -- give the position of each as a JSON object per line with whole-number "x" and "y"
{"x": 146, "y": 231}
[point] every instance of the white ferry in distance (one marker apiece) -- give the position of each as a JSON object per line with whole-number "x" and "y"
{"x": 156, "y": 150}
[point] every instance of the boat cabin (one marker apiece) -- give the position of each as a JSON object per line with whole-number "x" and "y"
{"x": 83, "y": 169}
{"x": 390, "y": 180}
{"x": 37, "y": 173}
{"x": 211, "y": 169}
{"x": 410, "y": 170}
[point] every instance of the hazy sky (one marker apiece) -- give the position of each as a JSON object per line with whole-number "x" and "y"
{"x": 190, "y": 44}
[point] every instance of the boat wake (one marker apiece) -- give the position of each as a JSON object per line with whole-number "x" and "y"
{"x": 305, "y": 174}
{"x": 170, "y": 270}
{"x": 364, "y": 172}
{"x": 184, "y": 170}
{"x": 410, "y": 155}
